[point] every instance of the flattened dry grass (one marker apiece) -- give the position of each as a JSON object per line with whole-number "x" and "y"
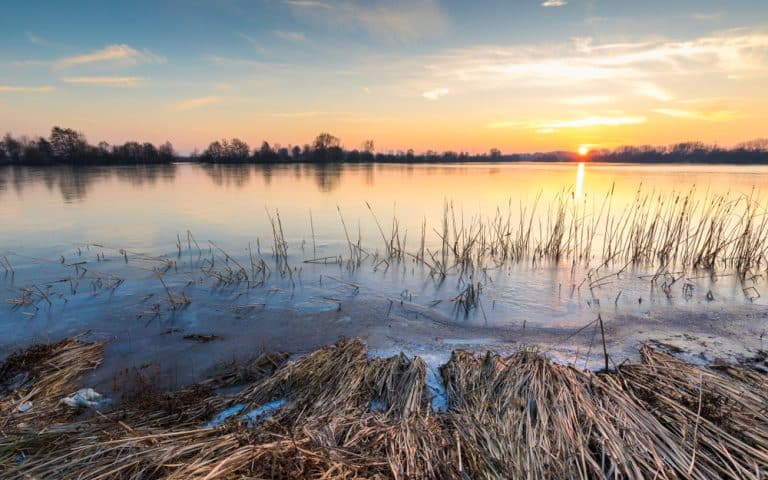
{"x": 43, "y": 375}
{"x": 346, "y": 415}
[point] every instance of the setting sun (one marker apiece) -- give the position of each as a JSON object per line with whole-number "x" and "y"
{"x": 583, "y": 150}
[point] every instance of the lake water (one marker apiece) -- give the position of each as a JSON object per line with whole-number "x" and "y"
{"x": 144, "y": 256}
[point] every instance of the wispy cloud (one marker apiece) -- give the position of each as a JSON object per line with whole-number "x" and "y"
{"x": 104, "y": 81}
{"x": 713, "y": 116}
{"x": 435, "y": 93}
{"x": 36, "y": 40}
{"x": 199, "y": 102}
{"x": 709, "y": 17}
{"x": 291, "y": 36}
{"x": 733, "y": 54}
{"x": 122, "y": 54}
{"x": 588, "y": 100}
{"x": 398, "y": 19}
{"x": 552, "y": 126}
{"x": 554, "y": 3}
{"x": 594, "y": 122}
{"x": 651, "y": 90}
{"x": 298, "y": 114}
{"x": 26, "y": 89}
{"x": 307, "y": 4}
{"x": 254, "y": 42}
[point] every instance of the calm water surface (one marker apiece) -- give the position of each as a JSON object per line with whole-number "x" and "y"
{"x": 107, "y": 249}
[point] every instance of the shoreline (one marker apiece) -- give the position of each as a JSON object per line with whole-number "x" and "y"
{"x": 340, "y": 411}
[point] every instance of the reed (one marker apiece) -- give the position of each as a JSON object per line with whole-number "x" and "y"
{"x": 344, "y": 414}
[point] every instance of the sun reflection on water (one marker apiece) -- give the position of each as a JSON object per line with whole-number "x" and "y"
{"x": 580, "y": 180}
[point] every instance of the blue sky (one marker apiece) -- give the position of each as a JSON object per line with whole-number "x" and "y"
{"x": 420, "y": 73}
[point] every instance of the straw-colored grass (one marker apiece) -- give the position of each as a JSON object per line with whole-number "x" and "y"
{"x": 346, "y": 415}
{"x": 42, "y": 375}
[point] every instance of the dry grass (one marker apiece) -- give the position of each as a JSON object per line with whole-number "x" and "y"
{"x": 43, "y": 375}
{"x": 346, "y": 415}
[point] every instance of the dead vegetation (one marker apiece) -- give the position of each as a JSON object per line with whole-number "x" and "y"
{"x": 39, "y": 377}
{"x": 338, "y": 413}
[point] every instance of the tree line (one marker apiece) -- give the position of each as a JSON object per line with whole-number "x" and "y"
{"x": 67, "y": 146}
{"x": 755, "y": 151}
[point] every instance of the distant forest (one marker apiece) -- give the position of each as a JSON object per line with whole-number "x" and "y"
{"x": 68, "y": 146}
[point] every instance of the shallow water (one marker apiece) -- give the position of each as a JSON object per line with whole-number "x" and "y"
{"x": 107, "y": 250}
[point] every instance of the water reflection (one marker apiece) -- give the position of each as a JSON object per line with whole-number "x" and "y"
{"x": 580, "y": 180}
{"x": 327, "y": 177}
{"x": 488, "y": 184}
{"x": 237, "y": 175}
{"x": 74, "y": 182}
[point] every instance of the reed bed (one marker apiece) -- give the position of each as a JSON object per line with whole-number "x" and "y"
{"x": 339, "y": 413}
{"x": 666, "y": 232}
{"x": 671, "y": 239}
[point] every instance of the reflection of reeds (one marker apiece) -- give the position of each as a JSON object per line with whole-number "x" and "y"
{"x": 6, "y": 264}
{"x": 468, "y": 298}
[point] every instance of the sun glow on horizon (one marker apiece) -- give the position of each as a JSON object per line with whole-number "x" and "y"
{"x": 583, "y": 150}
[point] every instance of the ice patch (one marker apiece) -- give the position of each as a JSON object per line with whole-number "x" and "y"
{"x": 254, "y": 417}
{"x": 263, "y": 413}
{"x": 437, "y": 389}
{"x": 86, "y": 397}
{"x": 222, "y": 417}
{"x": 378, "y": 406}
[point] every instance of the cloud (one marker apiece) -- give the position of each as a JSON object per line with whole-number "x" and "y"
{"x": 734, "y": 54}
{"x": 588, "y": 100}
{"x": 26, "y": 89}
{"x": 307, "y": 4}
{"x": 292, "y": 36}
{"x": 552, "y": 126}
{"x": 193, "y": 103}
{"x": 396, "y": 19}
{"x": 713, "y": 116}
{"x": 434, "y": 94}
{"x": 554, "y": 3}
{"x": 709, "y": 17}
{"x": 653, "y": 91}
{"x": 254, "y": 43}
{"x": 105, "y": 81}
{"x": 35, "y": 40}
{"x": 594, "y": 122}
{"x": 122, "y": 54}
{"x": 298, "y": 114}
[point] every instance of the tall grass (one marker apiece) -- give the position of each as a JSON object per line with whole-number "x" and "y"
{"x": 664, "y": 232}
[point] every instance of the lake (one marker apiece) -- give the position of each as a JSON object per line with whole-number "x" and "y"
{"x": 419, "y": 258}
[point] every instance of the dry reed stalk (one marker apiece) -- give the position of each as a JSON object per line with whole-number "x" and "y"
{"x": 43, "y": 375}
{"x": 345, "y": 415}
{"x": 728, "y": 415}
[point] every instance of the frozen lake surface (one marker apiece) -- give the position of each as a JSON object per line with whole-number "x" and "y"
{"x": 184, "y": 266}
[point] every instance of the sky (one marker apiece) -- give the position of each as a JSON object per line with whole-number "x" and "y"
{"x": 517, "y": 75}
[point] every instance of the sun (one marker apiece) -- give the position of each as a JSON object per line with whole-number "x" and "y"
{"x": 583, "y": 150}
